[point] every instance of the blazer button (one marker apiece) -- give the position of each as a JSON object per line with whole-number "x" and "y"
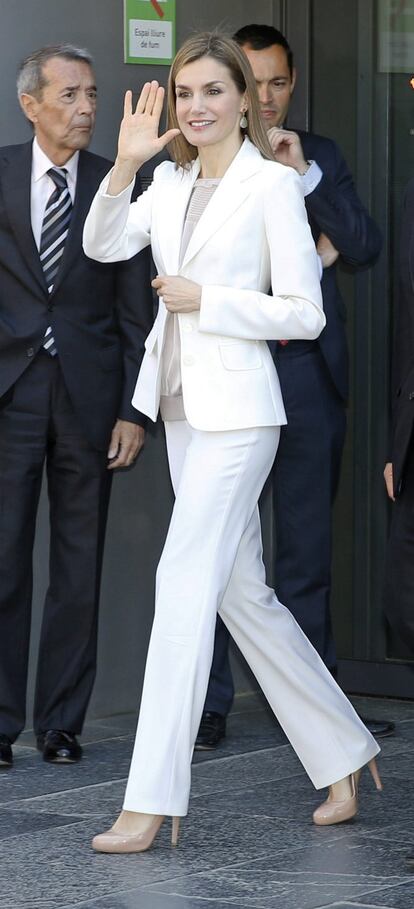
{"x": 30, "y": 351}
{"x": 411, "y": 396}
{"x": 50, "y": 308}
{"x": 188, "y": 360}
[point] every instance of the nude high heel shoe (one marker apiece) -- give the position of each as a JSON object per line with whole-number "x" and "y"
{"x": 113, "y": 842}
{"x": 333, "y": 811}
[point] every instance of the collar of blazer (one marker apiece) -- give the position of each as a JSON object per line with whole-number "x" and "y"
{"x": 15, "y": 177}
{"x": 230, "y": 194}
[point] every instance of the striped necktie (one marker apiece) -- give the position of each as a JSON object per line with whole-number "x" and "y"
{"x": 55, "y": 229}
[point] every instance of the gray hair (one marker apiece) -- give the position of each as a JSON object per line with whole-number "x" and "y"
{"x": 30, "y": 78}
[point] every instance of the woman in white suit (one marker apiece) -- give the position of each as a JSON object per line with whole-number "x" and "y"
{"x": 225, "y": 222}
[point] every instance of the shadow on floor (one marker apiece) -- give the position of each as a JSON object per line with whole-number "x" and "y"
{"x": 248, "y": 841}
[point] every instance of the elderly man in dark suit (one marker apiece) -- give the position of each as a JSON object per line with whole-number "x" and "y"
{"x": 71, "y": 342}
{"x": 313, "y": 377}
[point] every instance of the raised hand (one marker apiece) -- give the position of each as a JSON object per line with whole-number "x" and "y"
{"x": 138, "y": 135}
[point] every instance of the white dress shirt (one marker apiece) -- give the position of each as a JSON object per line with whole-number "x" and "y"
{"x": 42, "y": 186}
{"x": 312, "y": 177}
{"x": 171, "y": 402}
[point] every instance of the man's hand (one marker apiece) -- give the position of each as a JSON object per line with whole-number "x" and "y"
{"x": 388, "y": 477}
{"x": 179, "y": 294}
{"x": 126, "y": 442}
{"x": 287, "y": 149}
{"x": 326, "y": 251}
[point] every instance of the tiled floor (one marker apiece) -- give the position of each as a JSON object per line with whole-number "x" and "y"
{"x": 248, "y": 842}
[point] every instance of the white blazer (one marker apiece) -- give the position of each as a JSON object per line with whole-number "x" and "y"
{"x": 253, "y": 234}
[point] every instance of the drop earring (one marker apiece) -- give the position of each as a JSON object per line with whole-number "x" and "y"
{"x": 243, "y": 120}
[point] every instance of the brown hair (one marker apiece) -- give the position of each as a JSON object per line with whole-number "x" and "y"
{"x": 227, "y": 52}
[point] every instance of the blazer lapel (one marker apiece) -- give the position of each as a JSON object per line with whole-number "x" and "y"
{"x": 16, "y": 182}
{"x": 230, "y": 194}
{"x": 175, "y": 198}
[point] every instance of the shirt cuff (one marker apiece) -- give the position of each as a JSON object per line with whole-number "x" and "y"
{"x": 320, "y": 266}
{"x": 311, "y": 179}
{"x": 103, "y": 189}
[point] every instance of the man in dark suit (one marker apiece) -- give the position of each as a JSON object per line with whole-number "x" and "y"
{"x": 399, "y": 471}
{"x": 313, "y": 376}
{"x": 71, "y": 341}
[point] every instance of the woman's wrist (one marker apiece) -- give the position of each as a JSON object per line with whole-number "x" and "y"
{"x": 123, "y": 173}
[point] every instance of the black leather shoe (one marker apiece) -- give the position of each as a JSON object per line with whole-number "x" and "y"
{"x": 212, "y": 730}
{"x": 6, "y": 754}
{"x": 378, "y": 728}
{"x": 59, "y": 747}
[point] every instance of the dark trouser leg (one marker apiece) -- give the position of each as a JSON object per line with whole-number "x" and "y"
{"x": 399, "y": 567}
{"x": 306, "y": 475}
{"x": 305, "y": 480}
{"x": 79, "y": 486}
{"x": 220, "y": 692}
{"x": 23, "y": 429}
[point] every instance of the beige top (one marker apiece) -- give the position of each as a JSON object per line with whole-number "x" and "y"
{"x": 171, "y": 403}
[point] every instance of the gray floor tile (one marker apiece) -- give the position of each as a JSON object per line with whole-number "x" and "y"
{"x": 31, "y": 776}
{"x": 294, "y": 799}
{"x": 400, "y": 743}
{"x": 353, "y": 905}
{"x": 104, "y": 799}
{"x": 125, "y": 723}
{"x": 384, "y": 708}
{"x": 248, "y": 842}
{"x": 94, "y": 731}
{"x": 249, "y": 700}
{"x": 51, "y": 869}
{"x": 235, "y": 772}
{"x": 297, "y": 879}
{"x": 401, "y": 897}
{"x": 59, "y": 862}
{"x": 139, "y": 899}
{"x": 401, "y": 764}
{"x": 14, "y": 823}
{"x": 400, "y": 833}
{"x": 264, "y": 890}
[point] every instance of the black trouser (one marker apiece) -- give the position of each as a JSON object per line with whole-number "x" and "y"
{"x": 38, "y": 426}
{"x": 305, "y": 480}
{"x": 399, "y": 565}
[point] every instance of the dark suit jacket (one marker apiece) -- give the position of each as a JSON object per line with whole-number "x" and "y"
{"x": 402, "y": 394}
{"x": 335, "y": 210}
{"x": 100, "y": 314}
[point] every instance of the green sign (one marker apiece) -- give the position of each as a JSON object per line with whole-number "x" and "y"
{"x": 149, "y": 31}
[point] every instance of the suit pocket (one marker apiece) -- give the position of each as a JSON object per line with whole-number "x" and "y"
{"x": 240, "y": 355}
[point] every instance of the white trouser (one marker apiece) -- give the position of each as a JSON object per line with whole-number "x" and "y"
{"x": 212, "y": 560}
